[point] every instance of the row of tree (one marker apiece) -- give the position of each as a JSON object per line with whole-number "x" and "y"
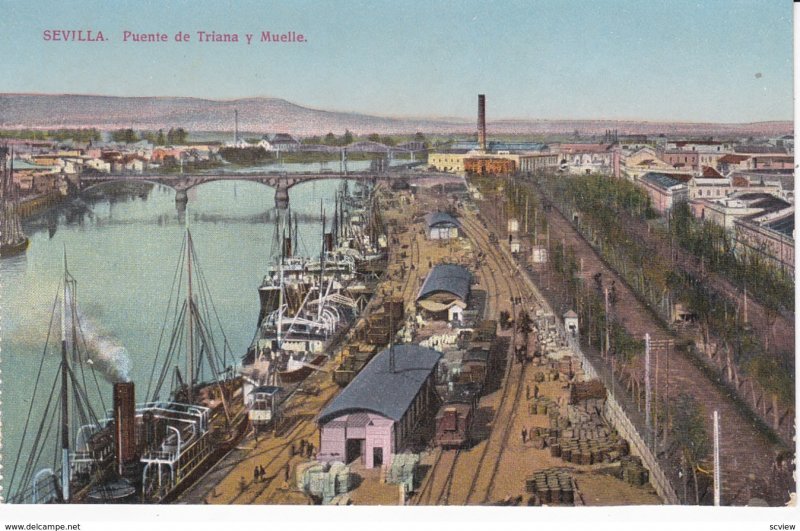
{"x": 60, "y": 135}
{"x": 603, "y": 205}
{"x": 174, "y": 136}
{"x": 682, "y": 416}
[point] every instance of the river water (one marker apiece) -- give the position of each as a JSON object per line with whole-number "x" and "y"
{"x": 122, "y": 247}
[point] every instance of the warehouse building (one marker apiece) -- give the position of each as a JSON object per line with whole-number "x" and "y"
{"x": 441, "y": 226}
{"x": 373, "y": 417}
{"x": 445, "y": 293}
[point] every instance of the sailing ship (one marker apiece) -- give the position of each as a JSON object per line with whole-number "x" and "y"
{"x": 148, "y": 452}
{"x": 13, "y": 240}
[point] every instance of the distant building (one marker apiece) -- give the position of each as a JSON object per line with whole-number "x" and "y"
{"x": 372, "y": 418}
{"x": 665, "y": 191}
{"x": 769, "y": 236}
{"x": 282, "y": 142}
{"x": 486, "y": 165}
{"x": 451, "y": 161}
{"x": 682, "y": 159}
{"x": 724, "y": 211}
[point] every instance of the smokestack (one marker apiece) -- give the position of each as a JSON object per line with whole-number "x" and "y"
{"x": 482, "y": 122}
{"x": 328, "y": 239}
{"x": 125, "y": 424}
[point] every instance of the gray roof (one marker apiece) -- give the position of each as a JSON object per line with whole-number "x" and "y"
{"x": 451, "y": 278}
{"x": 660, "y": 179}
{"x": 784, "y": 225}
{"x": 380, "y": 390}
{"x": 435, "y": 218}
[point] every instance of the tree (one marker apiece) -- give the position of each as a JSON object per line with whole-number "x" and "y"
{"x": 689, "y": 431}
{"x": 419, "y": 137}
{"x": 374, "y": 137}
{"x": 347, "y": 139}
{"x": 127, "y": 136}
{"x": 329, "y": 140}
{"x": 160, "y": 139}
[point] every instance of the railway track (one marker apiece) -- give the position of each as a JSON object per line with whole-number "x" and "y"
{"x": 445, "y": 462}
{"x": 505, "y": 411}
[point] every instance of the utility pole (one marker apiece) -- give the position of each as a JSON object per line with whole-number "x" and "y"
{"x": 647, "y": 419}
{"x": 608, "y": 333}
{"x": 745, "y": 305}
{"x": 717, "y": 479}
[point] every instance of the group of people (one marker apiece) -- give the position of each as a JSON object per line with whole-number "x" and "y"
{"x": 259, "y": 474}
{"x": 306, "y": 449}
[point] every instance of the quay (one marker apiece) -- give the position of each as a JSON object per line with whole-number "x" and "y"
{"x": 493, "y": 470}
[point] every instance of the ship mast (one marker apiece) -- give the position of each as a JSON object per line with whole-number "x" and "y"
{"x": 190, "y": 315}
{"x": 65, "y": 466}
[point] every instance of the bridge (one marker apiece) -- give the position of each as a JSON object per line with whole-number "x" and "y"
{"x": 281, "y": 182}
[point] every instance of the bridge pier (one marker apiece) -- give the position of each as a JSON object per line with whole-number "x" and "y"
{"x": 281, "y": 197}
{"x": 181, "y": 200}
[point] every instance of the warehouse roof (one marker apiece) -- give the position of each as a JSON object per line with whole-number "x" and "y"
{"x": 381, "y": 390}
{"x": 451, "y": 278}
{"x": 435, "y": 218}
{"x": 662, "y": 180}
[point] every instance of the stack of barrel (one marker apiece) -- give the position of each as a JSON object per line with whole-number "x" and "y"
{"x": 553, "y": 485}
{"x": 633, "y": 472}
{"x": 542, "y": 406}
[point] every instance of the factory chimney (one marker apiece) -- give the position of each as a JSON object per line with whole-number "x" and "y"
{"x": 124, "y": 424}
{"x": 481, "y": 122}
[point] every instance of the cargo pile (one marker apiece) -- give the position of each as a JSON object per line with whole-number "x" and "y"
{"x": 403, "y": 471}
{"x": 324, "y": 481}
{"x": 355, "y": 358}
{"x": 553, "y": 485}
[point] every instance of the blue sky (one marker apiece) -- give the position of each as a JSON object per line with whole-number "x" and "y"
{"x": 721, "y": 61}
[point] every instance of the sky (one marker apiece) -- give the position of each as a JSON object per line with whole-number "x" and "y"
{"x": 660, "y": 60}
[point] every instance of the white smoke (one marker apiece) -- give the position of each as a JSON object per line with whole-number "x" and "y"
{"x": 102, "y": 351}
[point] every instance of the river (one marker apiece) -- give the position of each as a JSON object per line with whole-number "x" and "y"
{"x": 122, "y": 246}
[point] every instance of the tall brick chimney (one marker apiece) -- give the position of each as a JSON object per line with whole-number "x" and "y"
{"x": 482, "y": 122}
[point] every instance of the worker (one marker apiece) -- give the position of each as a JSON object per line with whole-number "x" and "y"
{"x": 527, "y": 391}
{"x": 256, "y": 474}
{"x": 535, "y": 391}
{"x": 524, "y": 435}
{"x": 263, "y": 472}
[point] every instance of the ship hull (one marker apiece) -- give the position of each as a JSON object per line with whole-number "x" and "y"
{"x": 237, "y": 433}
{"x": 13, "y": 249}
{"x": 298, "y": 375}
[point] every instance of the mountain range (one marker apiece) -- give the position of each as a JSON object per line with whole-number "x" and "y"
{"x": 263, "y": 115}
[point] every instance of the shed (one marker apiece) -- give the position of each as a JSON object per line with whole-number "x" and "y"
{"x": 374, "y": 415}
{"x": 446, "y": 286}
{"x": 441, "y": 226}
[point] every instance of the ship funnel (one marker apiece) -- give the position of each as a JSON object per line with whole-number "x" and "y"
{"x": 125, "y": 425}
{"x": 287, "y": 247}
{"x": 328, "y": 238}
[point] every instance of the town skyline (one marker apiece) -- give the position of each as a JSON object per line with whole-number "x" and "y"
{"x": 716, "y": 62}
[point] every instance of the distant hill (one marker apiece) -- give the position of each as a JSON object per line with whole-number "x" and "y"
{"x": 273, "y": 114}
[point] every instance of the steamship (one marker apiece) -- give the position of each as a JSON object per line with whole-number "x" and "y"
{"x": 308, "y": 305}
{"x": 137, "y": 453}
